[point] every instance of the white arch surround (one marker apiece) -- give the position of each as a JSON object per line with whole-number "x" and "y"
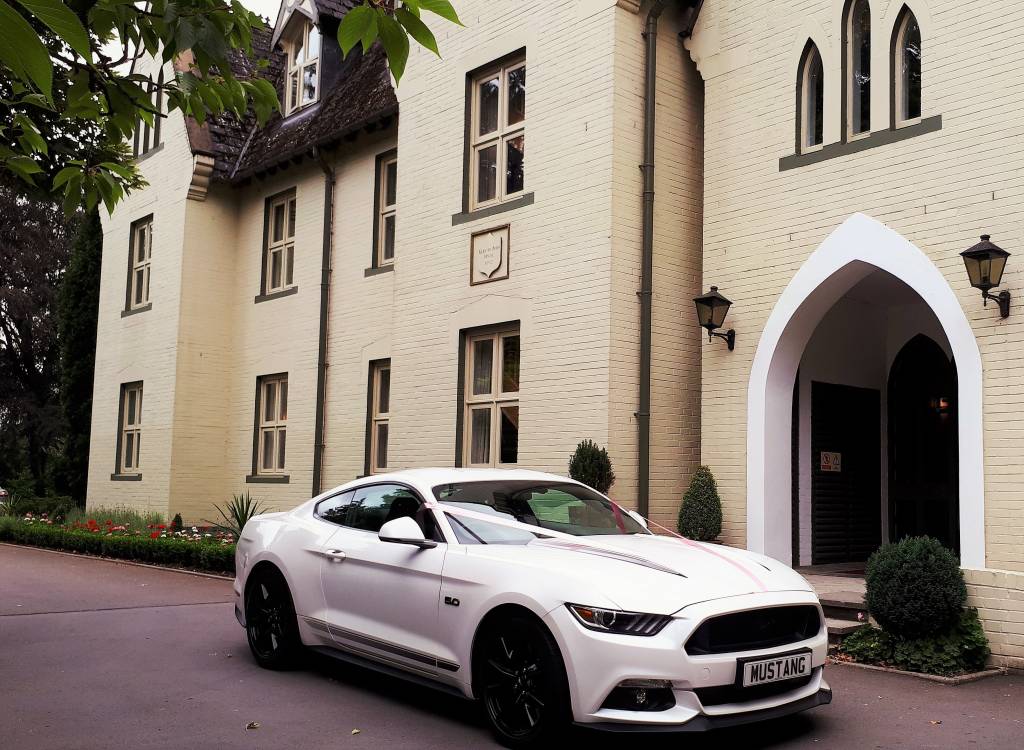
{"x": 857, "y": 247}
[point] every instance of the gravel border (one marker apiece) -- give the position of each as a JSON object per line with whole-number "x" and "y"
{"x": 119, "y": 561}
{"x": 961, "y": 679}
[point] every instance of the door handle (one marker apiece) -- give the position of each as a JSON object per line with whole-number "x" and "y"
{"x": 335, "y": 555}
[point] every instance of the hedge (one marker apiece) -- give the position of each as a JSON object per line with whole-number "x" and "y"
{"x": 207, "y": 556}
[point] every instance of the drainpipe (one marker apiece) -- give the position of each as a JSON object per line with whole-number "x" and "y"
{"x": 643, "y": 414}
{"x": 325, "y": 305}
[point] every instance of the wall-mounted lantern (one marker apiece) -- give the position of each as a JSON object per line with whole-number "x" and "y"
{"x": 985, "y": 264}
{"x": 711, "y": 311}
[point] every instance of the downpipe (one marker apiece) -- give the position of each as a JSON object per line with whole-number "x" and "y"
{"x": 319, "y": 445}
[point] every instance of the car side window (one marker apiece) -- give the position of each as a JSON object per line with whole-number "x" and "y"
{"x": 369, "y": 508}
{"x": 335, "y": 508}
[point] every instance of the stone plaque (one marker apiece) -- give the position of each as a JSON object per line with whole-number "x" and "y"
{"x": 489, "y": 252}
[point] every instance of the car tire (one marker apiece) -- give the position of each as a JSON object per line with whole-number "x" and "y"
{"x": 270, "y": 624}
{"x": 520, "y": 680}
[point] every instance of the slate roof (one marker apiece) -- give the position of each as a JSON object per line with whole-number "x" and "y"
{"x": 355, "y": 95}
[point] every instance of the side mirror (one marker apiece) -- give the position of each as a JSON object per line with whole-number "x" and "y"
{"x": 638, "y": 518}
{"x": 405, "y": 531}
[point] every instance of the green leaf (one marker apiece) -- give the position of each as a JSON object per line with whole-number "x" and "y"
{"x": 417, "y": 30}
{"x": 23, "y": 52}
{"x": 354, "y": 26}
{"x": 24, "y": 167}
{"x": 30, "y": 139}
{"x": 62, "y": 22}
{"x": 371, "y": 33}
{"x": 442, "y": 8}
{"x": 64, "y": 175}
{"x": 396, "y": 45}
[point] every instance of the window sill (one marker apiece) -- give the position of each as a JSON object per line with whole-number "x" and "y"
{"x": 378, "y": 270}
{"x": 276, "y": 295}
{"x": 143, "y": 157}
{"x": 137, "y": 310}
{"x": 499, "y": 208}
{"x": 125, "y": 477}
{"x": 878, "y": 138}
{"x": 267, "y": 479}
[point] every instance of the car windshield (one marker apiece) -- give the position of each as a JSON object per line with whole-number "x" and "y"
{"x": 558, "y": 506}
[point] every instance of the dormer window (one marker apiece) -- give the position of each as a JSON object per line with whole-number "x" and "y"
{"x": 302, "y": 85}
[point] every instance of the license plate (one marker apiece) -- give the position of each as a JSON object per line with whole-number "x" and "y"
{"x": 776, "y": 668}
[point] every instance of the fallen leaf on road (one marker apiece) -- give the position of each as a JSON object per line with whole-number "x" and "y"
{"x": 933, "y": 721}
{"x": 252, "y": 725}
{"x": 356, "y": 731}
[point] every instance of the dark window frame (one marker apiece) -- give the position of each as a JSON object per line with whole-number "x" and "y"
{"x": 375, "y": 264}
{"x": 845, "y": 135}
{"x": 368, "y": 443}
{"x": 255, "y": 477}
{"x": 118, "y": 475}
{"x": 896, "y": 65}
{"x": 801, "y": 84}
{"x": 263, "y": 296}
{"x": 128, "y": 309}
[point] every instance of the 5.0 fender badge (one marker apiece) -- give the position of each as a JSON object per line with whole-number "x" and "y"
{"x": 451, "y": 600}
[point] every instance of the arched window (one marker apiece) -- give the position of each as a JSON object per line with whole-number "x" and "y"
{"x": 906, "y": 67}
{"x": 857, "y": 68}
{"x": 810, "y": 99}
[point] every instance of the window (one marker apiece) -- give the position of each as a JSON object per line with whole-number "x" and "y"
{"x": 302, "y": 85}
{"x": 491, "y": 410}
{"x": 379, "y": 413}
{"x": 271, "y": 425}
{"x": 129, "y": 439}
{"x": 907, "y": 69}
{"x": 369, "y": 508}
{"x": 385, "y": 203}
{"x": 810, "y": 101}
{"x": 148, "y": 138}
{"x": 279, "y": 257}
{"x": 498, "y": 133}
{"x": 140, "y": 251}
{"x": 858, "y": 68}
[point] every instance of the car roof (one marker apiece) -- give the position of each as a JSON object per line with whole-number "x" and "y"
{"x": 434, "y": 476}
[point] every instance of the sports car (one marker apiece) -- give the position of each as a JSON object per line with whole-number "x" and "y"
{"x": 536, "y": 596}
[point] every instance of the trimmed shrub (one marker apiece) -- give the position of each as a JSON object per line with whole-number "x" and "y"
{"x": 176, "y": 522}
{"x": 591, "y": 466}
{"x": 963, "y": 648}
{"x": 210, "y": 556}
{"x": 700, "y": 515}
{"x": 915, "y": 588}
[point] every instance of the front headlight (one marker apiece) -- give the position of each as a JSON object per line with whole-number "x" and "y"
{"x": 622, "y": 623}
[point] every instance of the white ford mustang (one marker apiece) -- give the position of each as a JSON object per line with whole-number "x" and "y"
{"x": 537, "y": 596}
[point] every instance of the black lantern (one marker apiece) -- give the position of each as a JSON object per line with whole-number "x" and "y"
{"x": 985, "y": 263}
{"x": 711, "y": 311}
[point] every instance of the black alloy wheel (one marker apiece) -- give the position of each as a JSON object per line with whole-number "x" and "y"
{"x": 270, "y": 624}
{"x": 521, "y": 682}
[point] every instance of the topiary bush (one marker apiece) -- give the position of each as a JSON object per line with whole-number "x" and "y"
{"x": 591, "y": 466}
{"x": 176, "y": 523}
{"x": 915, "y": 587}
{"x": 700, "y": 515}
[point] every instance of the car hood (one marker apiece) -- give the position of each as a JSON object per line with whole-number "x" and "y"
{"x": 659, "y": 574}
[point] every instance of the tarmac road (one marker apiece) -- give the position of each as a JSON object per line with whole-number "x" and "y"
{"x": 97, "y": 654}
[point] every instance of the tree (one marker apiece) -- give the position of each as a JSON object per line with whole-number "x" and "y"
{"x": 591, "y": 466}
{"x": 700, "y": 515}
{"x": 77, "y": 310}
{"x": 55, "y": 76}
{"x": 34, "y": 247}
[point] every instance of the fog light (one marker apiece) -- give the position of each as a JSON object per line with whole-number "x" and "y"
{"x": 641, "y": 695}
{"x": 649, "y": 684}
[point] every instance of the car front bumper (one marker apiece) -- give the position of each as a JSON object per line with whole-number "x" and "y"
{"x": 596, "y": 663}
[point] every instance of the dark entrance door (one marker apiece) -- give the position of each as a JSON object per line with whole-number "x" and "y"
{"x": 923, "y": 444}
{"x": 846, "y": 473}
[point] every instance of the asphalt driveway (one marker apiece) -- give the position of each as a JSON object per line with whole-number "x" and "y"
{"x": 98, "y": 654}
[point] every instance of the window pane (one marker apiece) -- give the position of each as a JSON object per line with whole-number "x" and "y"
{"x": 489, "y": 97}
{"x": 284, "y": 400}
{"x": 267, "y": 461}
{"x": 138, "y": 448}
{"x": 140, "y": 285}
{"x": 298, "y": 49}
{"x": 911, "y": 84}
{"x": 390, "y": 183}
{"x": 269, "y": 402}
{"x": 335, "y": 509}
{"x": 480, "y": 440}
{"x": 814, "y": 90}
{"x": 860, "y": 52}
{"x": 487, "y": 173}
{"x": 313, "y": 48}
{"x": 289, "y": 268}
{"x": 281, "y": 440}
{"x": 483, "y": 366}
{"x": 309, "y": 83}
{"x": 140, "y": 244}
{"x": 277, "y": 231}
{"x": 384, "y": 390}
{"x": 138, "y": 407}
{"x": 146, "y": 295}
{"x": 517, "y": 95}
{"x": 291, "y": 218}
{"x": 510, "y": 364}
{"x": 293, "y": 90}
{"x": 375, "y": 506}
{"x": 129, "y": 450}
{"x": 275, "y": 269}
{"x": 129, "y": 411}
{"x": 509, "y": 435}
{"x": 382, "y": 445}
{"x": 389, "y": 237}
{"x": 516, "y": 148}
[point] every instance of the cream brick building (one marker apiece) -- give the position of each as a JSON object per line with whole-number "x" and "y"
{"x": 822, "y": 162}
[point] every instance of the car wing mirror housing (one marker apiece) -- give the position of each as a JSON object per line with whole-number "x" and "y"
{"x": 405, "y": 531}
{"x": 638, "y": 518}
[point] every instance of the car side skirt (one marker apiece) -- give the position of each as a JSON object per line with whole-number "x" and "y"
{"x": 372, "y": 663}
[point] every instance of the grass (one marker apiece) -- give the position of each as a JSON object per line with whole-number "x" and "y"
{"x": 119, "y": 514}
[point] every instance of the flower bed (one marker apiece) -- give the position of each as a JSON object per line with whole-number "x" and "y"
{"x": 194, "y": 548}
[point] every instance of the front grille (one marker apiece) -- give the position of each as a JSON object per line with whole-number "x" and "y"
{"x": 755, "y": 629}
{"x": 716, "y": 696}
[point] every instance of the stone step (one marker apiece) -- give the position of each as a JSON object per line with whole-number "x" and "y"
{"x": 842, "y": 606}
{"x": 838, "y": 629}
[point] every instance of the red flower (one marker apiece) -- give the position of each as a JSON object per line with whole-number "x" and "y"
{"x": 109, "y": 522}
{"x": 161, "y": 526}
{"x": 92, "y": 522}
{"x": 155, "y": 535}
{"x": 149, "y": 526}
